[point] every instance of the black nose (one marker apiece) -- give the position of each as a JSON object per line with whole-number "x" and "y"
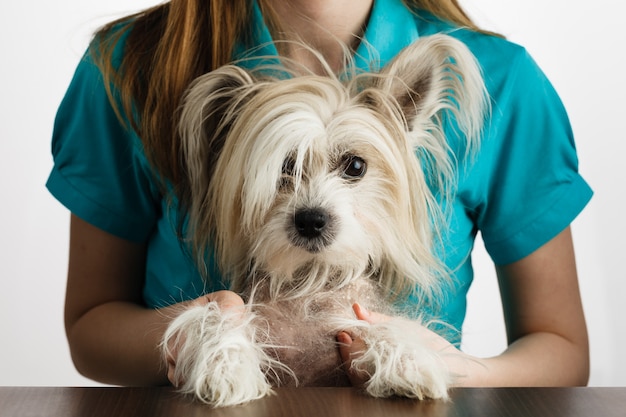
{"x": 310, "y": 223}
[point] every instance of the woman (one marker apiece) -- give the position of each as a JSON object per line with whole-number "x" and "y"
{"x": 118, "y": 170}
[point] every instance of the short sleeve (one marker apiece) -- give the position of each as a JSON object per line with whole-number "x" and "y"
{"x": 528, "y": 169}
{"x": 100, "y": 172}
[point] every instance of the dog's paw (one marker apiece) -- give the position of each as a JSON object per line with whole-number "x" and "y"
{"x": 217, "y": 359}
{"x": 399, "y": 364}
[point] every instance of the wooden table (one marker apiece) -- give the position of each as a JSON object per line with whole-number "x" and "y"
{"x": 313, "y": 402}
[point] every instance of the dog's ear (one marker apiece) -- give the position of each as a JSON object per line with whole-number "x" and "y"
{"x": 209, "y": 108}
{"x": 437, "y": 86}
{"x": 433, "y": 75}
{"x": 207, "y": 113}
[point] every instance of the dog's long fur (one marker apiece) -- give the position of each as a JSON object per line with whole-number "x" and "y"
{"x": 317, "y": 193}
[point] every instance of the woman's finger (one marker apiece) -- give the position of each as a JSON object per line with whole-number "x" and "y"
{"x": 371, "y": 317}
{"x": 351, "y": 348}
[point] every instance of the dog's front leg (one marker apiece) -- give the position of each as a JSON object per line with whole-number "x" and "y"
{"x": 395, "y": 359}
{"x": 217, "y": 357}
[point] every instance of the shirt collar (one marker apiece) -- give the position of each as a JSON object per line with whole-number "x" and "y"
{"x": 390, "y": 28}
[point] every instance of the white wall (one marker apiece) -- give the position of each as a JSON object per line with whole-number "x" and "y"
{"x": 580, "y": 49}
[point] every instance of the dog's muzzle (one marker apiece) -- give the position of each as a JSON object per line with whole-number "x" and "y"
{"x": 314, "y": 229}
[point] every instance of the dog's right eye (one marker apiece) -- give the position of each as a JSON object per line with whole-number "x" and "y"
{"x": 288, "y": 171}
{"x": 289, "y": 165}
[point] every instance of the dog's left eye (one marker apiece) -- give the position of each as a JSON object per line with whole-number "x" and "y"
{"x": 353, "y": 167}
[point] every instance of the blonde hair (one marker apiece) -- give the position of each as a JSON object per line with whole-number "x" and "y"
{"x": 171, "y": 44}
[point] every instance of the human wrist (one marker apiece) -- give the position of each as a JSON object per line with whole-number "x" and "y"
{"x": 467, "y": 371}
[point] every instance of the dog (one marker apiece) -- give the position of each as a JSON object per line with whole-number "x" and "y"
{"x": 316, "y": 193}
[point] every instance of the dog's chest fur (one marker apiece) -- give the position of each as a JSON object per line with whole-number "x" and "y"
{"x": 304, "y": 331}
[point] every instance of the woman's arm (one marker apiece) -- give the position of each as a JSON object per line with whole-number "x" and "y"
{"x": 547, "y": 333}
{"x": 112, "y": 337}
{"x": 546, "y": 328}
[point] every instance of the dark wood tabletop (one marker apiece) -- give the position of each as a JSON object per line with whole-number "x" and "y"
{"x": 313, "y": 402}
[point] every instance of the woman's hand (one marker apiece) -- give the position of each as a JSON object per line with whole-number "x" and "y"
{"x": 351, "y": 346}
{"x": 225, "y": 299}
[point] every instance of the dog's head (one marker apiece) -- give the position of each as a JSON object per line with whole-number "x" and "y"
{"x": 311, "y": 181}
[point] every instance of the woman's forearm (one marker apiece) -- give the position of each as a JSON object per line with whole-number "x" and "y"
{"x": 548, "y": 340}
{"x": 118, "y": 343}
{"x": 538, "y": 359}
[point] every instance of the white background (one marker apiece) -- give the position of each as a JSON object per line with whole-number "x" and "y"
{"x": 580, "y": 47}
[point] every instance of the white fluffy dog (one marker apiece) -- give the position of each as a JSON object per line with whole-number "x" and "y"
{"x": 318, "y": 192}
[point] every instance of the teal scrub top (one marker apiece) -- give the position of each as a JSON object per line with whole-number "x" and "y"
{"x": 522, "y": 189}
